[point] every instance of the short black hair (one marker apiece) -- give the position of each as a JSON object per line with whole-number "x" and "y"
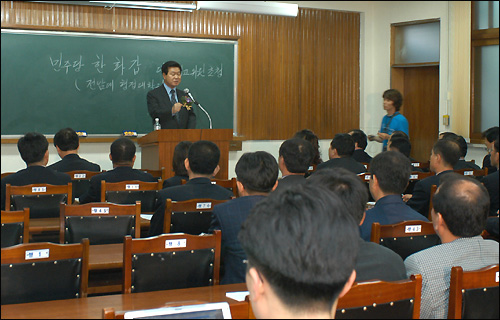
{"x": 491, "y": 134}
{"x": 297, "y": 154}
{"x": 347, "y": 185}
{"x": 122, "y": 150}
{"x": 402, "y": 145}
{"x": 180, "y": 154}
{"x": 310, "y": 136}
{"x": 303, "y": 243}
{"x": 257, "y": 171}
{"x": 447, "y": 134}
{"x": 203, "y": 157}
{"x": 399, "y": 134}
{"x": 32, "y": 147}
{"x": 66, "y": 139}
{"x": 344, "y": 144}
{"x": 495, "y": 145}
{"x": 464, "y": 204}
{"x": 392, "y": 170}
{"x": 395, "y": 96}
{"x": 170, "y": 64}
{"x": 359, "y": 137}
{"x": 449, "y": 150}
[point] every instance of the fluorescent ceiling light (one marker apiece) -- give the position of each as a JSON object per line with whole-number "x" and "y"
{"x": 257, "y": 7}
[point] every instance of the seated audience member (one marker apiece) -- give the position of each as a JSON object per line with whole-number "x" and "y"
{"x": 180, "y": 154}
{"x": 294, "y": 268}
{"x": 403, "y": 146}
{"x": 295, "y": 157}
{"x": 459, "y": 217}
{"x": 374, "y": 261}
{"x": 390, "y": 173}
{"x": 489, "y": 136}
{"x": 461, "y": 164}
{"x": 201, "y": 164}
{"x": 67, "y": 144}
{"x": 340, "y": 154}
{"x": 310, "y": 136}
{"x": 491, "y": 181}
{"x": 122, "y": 154}
{"x": 360, "y": 143}
{"x": 444, "y": 155}
{"x": 257, "y": 175}
{"x": 34, "y": 150}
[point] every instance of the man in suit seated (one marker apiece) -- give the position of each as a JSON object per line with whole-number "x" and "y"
{"x": 67, "y": 145}
{"x": 201, "y": 164}
{"x": 444, "y": 156}
{"x": 294, "y": 268}
{"x": 489, "y": 136}
{"x": 340, "y": 154}
{"x": 360, "y": 143}
{"x": 257, "y": 174}
{"x": 122, "y": 154}
{"x": 34, "y": 150}
{"x": 390, "y": 172}
{"x": 374, "y": 261}
{"x": 402, "y": 145}
{"x": 459, "y": 217}
{"x": 491, "y": 181}
{"x": 295, "y": 157}
{"x": 461, "y": 164}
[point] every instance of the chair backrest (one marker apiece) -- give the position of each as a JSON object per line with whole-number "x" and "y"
{"x": 312, "y": 168}
{"x": 15, "y": 227}
{"x": 431, "y": 204}
{"x": 474, "y": 294}
{"x": 421, "y": 165}
{"x": 414, "y": 178}
{"x": 44, "y": 271}
{"x": 190, "y": 216}
{"x": 171, "y": 261}
{"x": 128, "y": 192}
{"x": 100, "y": 222}
{"x": 382, "y": 300}
{"x": 42, "y": 199}
{"x": 473, "y": 172}
{"x": 81, "y": 182}
{"x": 228, "y": 184}
{"x": 405, "y": 238}
{"x": 159, "y": 174}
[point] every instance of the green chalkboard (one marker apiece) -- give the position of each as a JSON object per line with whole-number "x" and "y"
{"x": 98, "y": 83}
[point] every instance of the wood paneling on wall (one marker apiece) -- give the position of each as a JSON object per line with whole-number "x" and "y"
{"x": 293, "y": 73}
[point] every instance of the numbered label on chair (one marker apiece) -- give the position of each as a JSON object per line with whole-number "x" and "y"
{"x": 413, "y": 176}
{"x": 204, "y": 205}
{"x": 468, "y": 173}
{"x": 496, "y": 277}
{"x": 416, "y": 164}
{"x": 97, "y": 210}
{"x": 310, "y": 168}
{"x": 177, "y": 243}
{"x": 413, "y": 229}
{"x": 39, "y": 189}
{"x": 213, "y": 182}
{"x": 367, "y": 177}
{"x": 37, "y": 254}
{"x": 132, "y": 187}
{"x": 79, "y": 175}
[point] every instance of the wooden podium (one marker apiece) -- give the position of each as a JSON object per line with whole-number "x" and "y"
{"x": 158, "y": 147}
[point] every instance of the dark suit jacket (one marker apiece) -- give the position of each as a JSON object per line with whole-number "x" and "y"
{"x": 462, "y": 164}
{"x": 197, "y": 188}
{"x": 73, "y": 162}
{"x": 378, "y": 262}
{"x": 228, "y": 217}
{"x": 160, "y": 106}
{"x": 31, "y": 175}
{"x": 487, "y": 164}
{"x": 491, "y": 183}
{"x": 290, "y": 180}
{"x": 361, "y": 156}
{"x": 174, "y": 181}
{"x": 346, "y": 162}
{"x": 118, "y": 174}
{"x": 422, "y": 193}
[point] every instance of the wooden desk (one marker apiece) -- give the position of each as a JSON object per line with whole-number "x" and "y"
{"x": 106, "y": 256}
{"x": 91, "y": 308}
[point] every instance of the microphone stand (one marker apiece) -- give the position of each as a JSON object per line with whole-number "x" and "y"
{"x": 199, "y": 105}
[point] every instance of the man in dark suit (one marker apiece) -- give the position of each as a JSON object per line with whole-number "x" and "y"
{"x": 444, "y": 155}
{"x": 67, "y": 144}
{"x": 491, "y": 181}
{"x": 295, "y": 156}
{"x": 403, "y": 146}
{"x": 340, "y": 154}
{"x": 201, "y": 164}
{"x": 256, "y": 174}
{"x": 167, "y": 102}
{"x": 122, "y": 154}
{"x": 360, "y": 143}
{"x": 461, "y": 164}
{"x": 34, "y": 150}
{"x": 489, "y": 136}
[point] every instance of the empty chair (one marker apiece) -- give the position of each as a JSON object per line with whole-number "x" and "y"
{"x": 128, "y": 192}
{"x": 405, "y": 238}
{"x": 44, "y": 271}
{"x": 81, "y": 182}
{"x": 100, "y": 222}
{"x": 382, "y": 300}
{"x": 171, "y": 261}
{"x": 473, "y": 294}
{"x": 15, "y": 227}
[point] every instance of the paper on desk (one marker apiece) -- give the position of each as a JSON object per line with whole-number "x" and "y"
{"x": 237, "y": 295}
{"x": 146, "y": 216}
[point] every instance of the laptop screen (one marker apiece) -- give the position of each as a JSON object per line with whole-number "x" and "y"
{"x": 219, "y": 310}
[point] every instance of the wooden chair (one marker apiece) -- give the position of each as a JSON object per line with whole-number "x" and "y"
{"x": 42, "y": 199}
{"x": 405, "y": 238}
{"x": 5, "y": 174}
{"x": 474, "y": 294}
{"x": 431, "y": 205}
{"x": 422, "y": 165}
{"x": 171, "y": 261}
{"x": 15, "y": 227}
{"x": 128, "y": 192}
{"x": 228, "y": 184}
{"x": 81, "y": 182}
{"x": 367, "y": 165}
{"x": 414, "y": 178}
{"x": 100, "y": 222}
{"x": 160, "y": 174}
{"x": 312, "y": 168}
{"x": 382, "y": 300}
{"x": 473, "y": 173}
{"x": 44, "y": 271}
{"x": 191, "y": 216}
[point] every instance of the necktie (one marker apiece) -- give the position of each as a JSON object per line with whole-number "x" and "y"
{"x": 174, "y": 101}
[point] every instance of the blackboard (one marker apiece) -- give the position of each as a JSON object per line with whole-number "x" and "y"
{"x": 98, "y": 83}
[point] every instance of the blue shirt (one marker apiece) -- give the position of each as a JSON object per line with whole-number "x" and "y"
{"x": 398, "y": 123}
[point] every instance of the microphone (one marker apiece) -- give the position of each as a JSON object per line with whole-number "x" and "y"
{"x": 199, "y": 105}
